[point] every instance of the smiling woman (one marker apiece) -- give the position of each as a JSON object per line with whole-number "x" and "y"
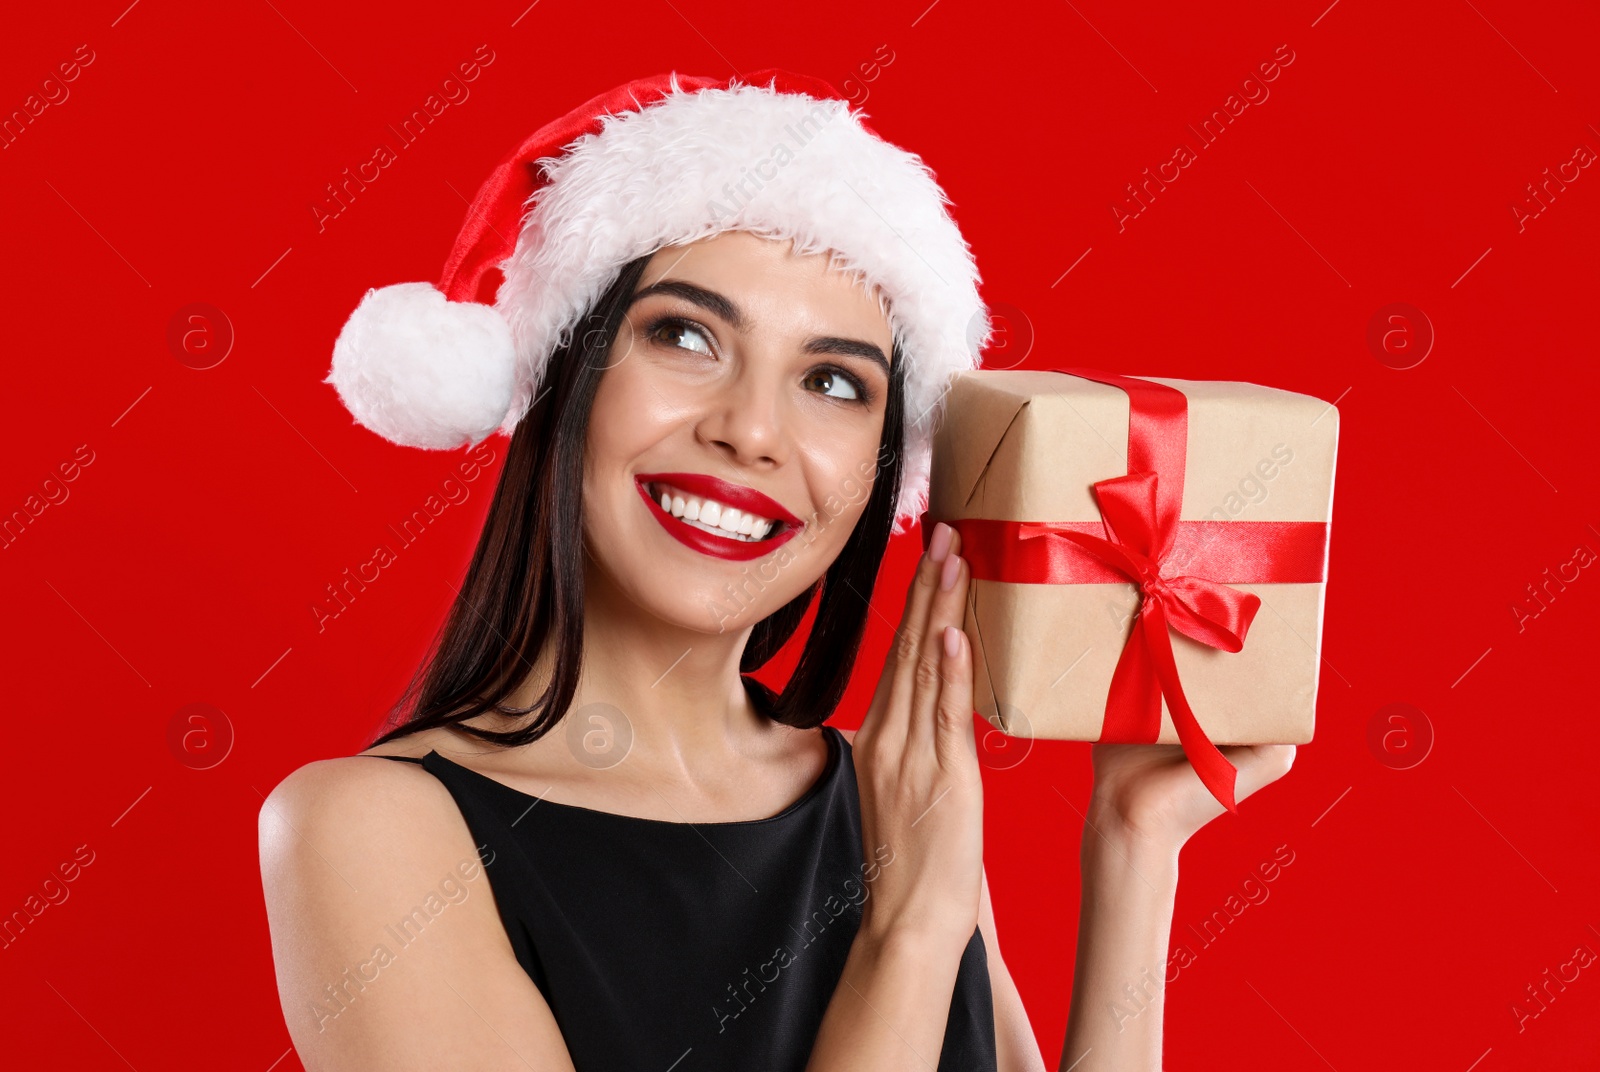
{"x": 692, "y": 393}
{"x": 716, "y": 394}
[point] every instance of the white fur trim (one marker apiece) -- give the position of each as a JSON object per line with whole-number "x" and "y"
{"x": 670, "y": 173}
{"x": 422, "y": 371}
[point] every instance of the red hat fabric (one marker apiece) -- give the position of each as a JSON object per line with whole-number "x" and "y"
{"x": 493, "y": 223}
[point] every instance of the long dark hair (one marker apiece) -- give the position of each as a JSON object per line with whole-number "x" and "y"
{"x": 524, "y": 586}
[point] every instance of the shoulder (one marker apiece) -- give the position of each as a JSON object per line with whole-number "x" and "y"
{"x": 350, "y": 794}
{"x": 387, "y": 819}
{"x": 359, "y": 857}
{"x": 343, "y": 837}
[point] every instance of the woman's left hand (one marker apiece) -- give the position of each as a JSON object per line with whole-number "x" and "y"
{"x": 1153, "y": 794}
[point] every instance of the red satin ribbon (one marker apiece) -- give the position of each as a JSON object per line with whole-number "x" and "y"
{"x": 1182, "y": 570}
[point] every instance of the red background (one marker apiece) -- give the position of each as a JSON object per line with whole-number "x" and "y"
{"x": 1382, "y": 168}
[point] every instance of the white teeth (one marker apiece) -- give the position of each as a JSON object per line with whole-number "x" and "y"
{"x": 714, "y": 517}
{"x": 721, "y": 532}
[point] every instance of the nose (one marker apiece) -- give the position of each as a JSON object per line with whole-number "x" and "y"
{"x": 744, "y": 417}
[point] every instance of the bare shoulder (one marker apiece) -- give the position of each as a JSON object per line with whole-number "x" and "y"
{"x": 385, "y": 932}
{"x": 355, "y": 803}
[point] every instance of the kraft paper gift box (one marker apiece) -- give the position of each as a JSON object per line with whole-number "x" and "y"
{"x": 1110, "y": 519}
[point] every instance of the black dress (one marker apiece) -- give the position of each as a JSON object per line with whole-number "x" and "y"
{"x": 693, "y": 947}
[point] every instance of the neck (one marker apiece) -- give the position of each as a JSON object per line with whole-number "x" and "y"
{"x": 679, "y": 690}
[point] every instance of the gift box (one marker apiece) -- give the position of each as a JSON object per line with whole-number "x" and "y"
{"x": 1148, "y": 555}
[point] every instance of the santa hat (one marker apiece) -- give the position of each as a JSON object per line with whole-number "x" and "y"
{"x": 662, "y": 161}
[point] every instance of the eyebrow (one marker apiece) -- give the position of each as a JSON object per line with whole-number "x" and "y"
{"x": 725, "y": 308}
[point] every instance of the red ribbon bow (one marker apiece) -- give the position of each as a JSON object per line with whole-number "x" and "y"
{"x": 1178, "y": 566}
{"x": 1138, "y": 547}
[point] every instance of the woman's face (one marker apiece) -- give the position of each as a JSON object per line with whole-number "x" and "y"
{"x": 744, "y": 377}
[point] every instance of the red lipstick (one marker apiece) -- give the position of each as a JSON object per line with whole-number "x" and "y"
{"x": 740, "y": 498}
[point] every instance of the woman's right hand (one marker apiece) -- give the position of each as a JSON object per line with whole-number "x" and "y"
{"x": 917, "y": 765}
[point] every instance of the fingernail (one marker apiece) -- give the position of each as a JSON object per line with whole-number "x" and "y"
{"x": 952, "y": 641}
{"x": 948, "y": 575}
{"x": 939, "y": 546}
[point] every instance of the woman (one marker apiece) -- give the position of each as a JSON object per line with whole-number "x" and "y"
{"x": 598, "y": 845}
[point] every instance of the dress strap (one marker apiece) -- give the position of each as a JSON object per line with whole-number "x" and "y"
{"x": 403, "y": 759}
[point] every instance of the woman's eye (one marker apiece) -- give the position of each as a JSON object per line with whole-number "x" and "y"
{"x": 676, "y": 332}
{"x": 835, "y": 379}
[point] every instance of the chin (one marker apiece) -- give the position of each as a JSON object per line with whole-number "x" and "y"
{"x": 703, "y": 604}
{"x": 699, "y": 592}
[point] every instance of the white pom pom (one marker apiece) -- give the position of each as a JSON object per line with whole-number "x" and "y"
{"x": 422, "y": 371}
